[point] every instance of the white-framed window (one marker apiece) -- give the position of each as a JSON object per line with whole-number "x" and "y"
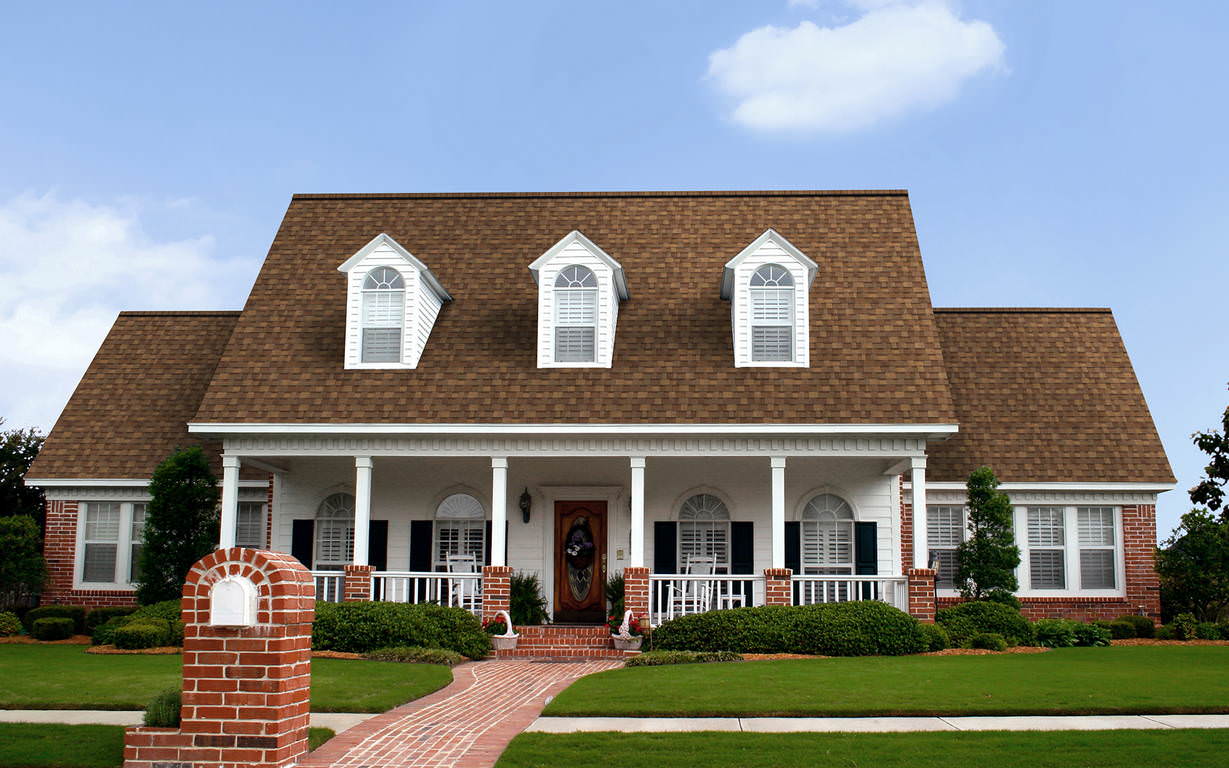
{"x": 383, "y": 315}
{"x": 945, "y": 531}
{"x": 827, "y": 535}
{"x": 576, "y": 315}
{"x": 110, "y": 535}
{"x": 1047, "y": 540}
{"x": 460, "y": 530}
{"x": 704, "y": 531}
{"x": 1098, "y": 547}
{"x": 335, "y": 532}
{"x": 250, "y": 525}
{"x": 772, "y": 314}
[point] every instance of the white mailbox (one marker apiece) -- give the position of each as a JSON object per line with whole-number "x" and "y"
{"x": 232, "y": 602}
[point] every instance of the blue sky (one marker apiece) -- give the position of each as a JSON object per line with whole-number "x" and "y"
{"x": 1057, "y": 153}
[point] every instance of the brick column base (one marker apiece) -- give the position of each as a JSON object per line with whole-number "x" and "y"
{"x": 922, "y": 594}
{"x": 357, "y": 583}
{"x": 496, "y": 590}
{"x": 778, "y": 587}
{"x": 636, "y": 591}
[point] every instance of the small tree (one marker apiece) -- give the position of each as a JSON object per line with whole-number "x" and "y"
{"x": 22, "y": 568}
{"x": 18, "y": 447}
{"x": 181, "y": 524}
{"x": 1210, "y": 491}
{"x": 1193, "y": 564}
{"x": 987, "y": 560}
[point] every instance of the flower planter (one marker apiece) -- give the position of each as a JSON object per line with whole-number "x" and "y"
{"x": 626, "y": 643}
{"x": 504, "y": 643}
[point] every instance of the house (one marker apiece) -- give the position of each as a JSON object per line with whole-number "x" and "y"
{"x": 731, "y": 398}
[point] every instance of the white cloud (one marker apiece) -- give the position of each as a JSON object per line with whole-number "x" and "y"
{"x": 897, "y": 57}
{"x": 66, "y": 268}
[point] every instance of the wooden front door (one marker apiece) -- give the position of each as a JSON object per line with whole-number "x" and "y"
{"x": 580, "y": 561}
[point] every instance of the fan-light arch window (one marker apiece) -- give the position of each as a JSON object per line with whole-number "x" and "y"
{"x": 772, "y": 314}
{"x": 335, "y": 532}
{"x": 383, "y": 315}
{"x": 460, "y": 529}
{"x": 827, "y": 535}
{"x": 576, "y": 315}
{"x": 704, "y": 530}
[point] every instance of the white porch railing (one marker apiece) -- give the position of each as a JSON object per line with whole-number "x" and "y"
{"x": 329, "y": 585}
{"x": 810, "y": 589}
{"x": 675, "y": 594}
{"x": 460, "y": 590}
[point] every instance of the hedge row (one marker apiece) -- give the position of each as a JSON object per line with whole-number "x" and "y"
{"x": 365, "y": 627}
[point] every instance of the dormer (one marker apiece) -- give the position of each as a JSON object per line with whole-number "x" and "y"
{"x": 392, "y": 300}
{"x": 579, "y": 290}
{"x": 767, "y": 285}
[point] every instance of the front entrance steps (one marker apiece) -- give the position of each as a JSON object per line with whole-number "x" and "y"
{"x": 562, "y": 641}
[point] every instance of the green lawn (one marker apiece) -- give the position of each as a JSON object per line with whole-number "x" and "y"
{"x": 47, "y": 745}
{"x": 66, "y": 677}
{"x": 1139, "y": 679}
{"x": 1056, "y": 749}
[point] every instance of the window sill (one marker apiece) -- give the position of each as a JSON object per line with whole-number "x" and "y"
{"x": 379, "y": 367}
{"x": 773, "y": 364}
{"x": 89, "y": 586}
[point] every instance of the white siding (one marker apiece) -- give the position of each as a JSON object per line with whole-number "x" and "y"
{"x": 769, "y": 253}
{"x": 607, "y": 306}
{"x": 422, "y": 306}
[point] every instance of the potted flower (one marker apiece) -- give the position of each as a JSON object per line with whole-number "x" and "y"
{"x": 625, "y": 632}
{"x": 499, "y": 627}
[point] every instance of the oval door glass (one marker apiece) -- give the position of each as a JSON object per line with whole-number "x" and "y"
{"x": 578, "y": 554}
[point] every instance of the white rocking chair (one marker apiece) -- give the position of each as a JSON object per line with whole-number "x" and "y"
{"x": 692, "y": 596}
{"x": 463, "y": 592}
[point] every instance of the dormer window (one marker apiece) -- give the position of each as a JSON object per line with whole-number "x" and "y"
{"x": 383, "y": 315}
{"x": 392, "y": 300}
{"x": 575, "y": 315}
{"x": 767, "y": 285}
{"x": 579, "y": 290}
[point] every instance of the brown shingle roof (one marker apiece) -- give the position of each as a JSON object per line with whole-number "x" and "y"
{"x": 131, "y": 408}
{"x": 874, "y": 358}
{"x": 1044, "y": 395}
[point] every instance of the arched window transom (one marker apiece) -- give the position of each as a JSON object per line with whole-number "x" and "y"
{"x": 460, "y": 530}
{"x": 335, "y": 532}
{"x": 383, "y": 315}
{"x": 772, "y": 314}
{"x": 704, "y": 531}
{"x": 827, "y": 535}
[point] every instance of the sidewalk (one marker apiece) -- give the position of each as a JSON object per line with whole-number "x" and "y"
{"x": 338, "y": 721}
{"x": 873, "y": 724}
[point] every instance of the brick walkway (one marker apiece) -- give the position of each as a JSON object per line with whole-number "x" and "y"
{"x": 465, "y": 725}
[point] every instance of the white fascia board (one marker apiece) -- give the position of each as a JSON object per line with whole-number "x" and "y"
{"x": 110, "y": 482}
{"x": 727, "y": 274}
{"x": 385, "y": 239}
{"x": 578, "y": 237}
{"x": 1065, "y": 486}
{"x": 937, "y": 431}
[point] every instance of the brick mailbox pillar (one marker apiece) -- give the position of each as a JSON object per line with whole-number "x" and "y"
{"x": 496, "y": 590}
{"x": 778, "y": 586}
{"x": 356, "y": 583}
{"x": 246, "y": 667}
{"x": 921, "y": 586}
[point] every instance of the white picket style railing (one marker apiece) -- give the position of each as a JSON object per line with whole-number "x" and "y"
{"x": 812, "y": 589}
{"x": 329, "y": 585}
{"x": 675, "y": 594}
{"x": 460, "y": 590}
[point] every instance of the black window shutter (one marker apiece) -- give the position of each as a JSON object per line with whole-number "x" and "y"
{"x": 377, "y": 544}
{"x": 486, "y": 544}
{"x": 742, "y": 547}
{"x": 865, "y": 555}
{"x": 303, "y": 541}
{"x": 421, "y": 534}
{"x": 665, "y": 546}
{"x": 793, "y": 546}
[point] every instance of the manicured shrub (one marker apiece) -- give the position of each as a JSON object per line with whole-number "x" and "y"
{"x": 104, "y": 634}
{"x": 1090, "y": 635}
{"x": 1054, "y": 633}
{"x": 99, "y": 616}
{"x": 864, "y": 628}
{"x": 143, "y": 633}
{"x": 9, "y": 624}
{"x": 965, "y": 620}
{"x": 163, "y": 710}
{"x": 1164, "y": 632}
{"x": 368, "y": 626}
{"x": 525, "y": 602}
{"x": 989, "y": 641}
{"x": 74, "y": 612}
{"x": 663, "y": 658}
{"x": 1224, "y": 630}
{"x": 1119, "y": 630}
{"x": 1144, "y": 627}
{"x": 52, "y": 628}
{"x": 416, "y": 655}
{"x": 1208, "y": 630}
{"x": 167, "y": 609}
{"x": 937, "y": 638}
{"x": 1184, "y": 625}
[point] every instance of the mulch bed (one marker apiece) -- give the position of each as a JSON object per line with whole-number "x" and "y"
{"x": 1154, "y": 641}
{"x": 335, "y": 655}
{"x": 27, "y": 640}
{"x": 167, "y": 650}
{"x": 984, "y": 652}
{"x": 772, "y": 656}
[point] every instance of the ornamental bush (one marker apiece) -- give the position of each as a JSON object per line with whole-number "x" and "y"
{"x": 1184, "y": 625}
{"x": 52, "y": 628}
{"x": 416, "y": 655}
{"x": 99, "y": 616}
{"x": 368, "y": 626}
{"x": 1119, "y": 630}
{"x": 74, "y": 612}
{"x": 163, "y": 710}
{"x": 143, "y": 633}
{"x": 104, "y": 634}
{"x": 165, "y": 614}
{"x": 864, "y": 628}
{"x": 1144, "y": 627}
{"x": 1165, "y": 632}
{"x": 989, "y": 641}
{"x": 1090, "y": 635}
{"x": 1207, "y": 630}
{"x": 965, "y": 620}
{"x": 9, "y": 624}
{"x": 937, "y": 638}
{"x": 663, "y": 658}
{"x": 1054, "y": 633}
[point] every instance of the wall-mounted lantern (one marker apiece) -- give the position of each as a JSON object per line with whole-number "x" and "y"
{"x": 526, "y": 504}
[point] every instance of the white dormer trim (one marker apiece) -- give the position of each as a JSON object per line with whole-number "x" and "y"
{"x": 423, "y": 296}
{"x": 576, "y": 249}
{"x": 769, "y": 248}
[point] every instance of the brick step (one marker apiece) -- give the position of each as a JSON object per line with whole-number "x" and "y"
{"x": 564, "y": 642}
{"x": 564, "y": 653}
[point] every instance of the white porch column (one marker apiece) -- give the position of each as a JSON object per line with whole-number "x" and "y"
{"x": 362, "y": 509}
{"x": 921, "y": 550}
{"x": 637, "y": 560}
{"x": 230, "y": 501}
{"x": 499, "y": 511}
{"x": 778, "y": 511}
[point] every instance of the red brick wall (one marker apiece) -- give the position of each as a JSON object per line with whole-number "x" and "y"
{"x": 356, "y": 583}
{"x": 778, "y": 586}
{"x": 496, "y": 590}
{"x": 636, "y": 592}
{"x": 60, "y": 549}
{"x": 921, "y": 586}
{"x": 906, "y": 527}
